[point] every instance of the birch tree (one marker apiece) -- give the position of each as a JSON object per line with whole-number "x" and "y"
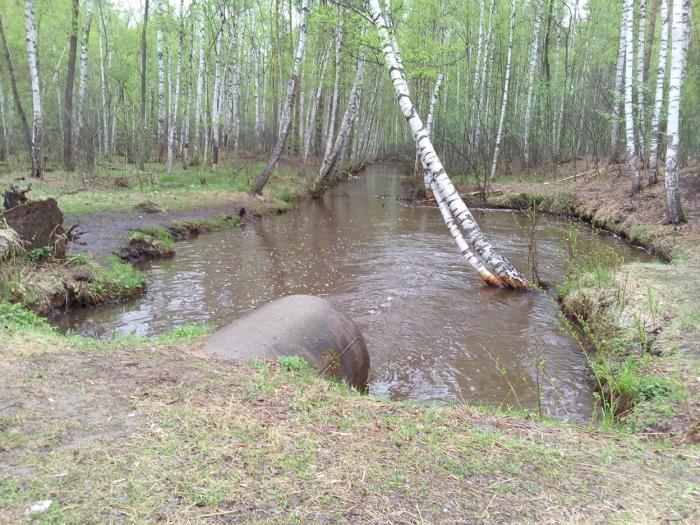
{"x": 534, "y": 47}
{"x": 504, "y": 104}
{"x": 500, "y": 271}
{"x": 37, "y": 154}
{"x": 336, "y": 89}
{"x": 82, "y": 77}
{"x": 629, "y": 109}
{"x": 200, "y": 88}
{"x": 160, "y": 132}
{"x": 287, "y": 110}
{"x": 3, "y": 125}
{"x": 659, "y": 99}
{"x": 142, "y": 141}
{"x": 175, "y": 93}
{"x": 641, "y": 32}
{"x": 618, "y": 95}
{"x": 680, "y": 33}
{"x": 68, "y": 159}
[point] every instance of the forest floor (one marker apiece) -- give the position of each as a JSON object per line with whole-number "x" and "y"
{"x": 151, "y": 430}
{"x": 144, "y": 430}
{"x": 643, "y": 318}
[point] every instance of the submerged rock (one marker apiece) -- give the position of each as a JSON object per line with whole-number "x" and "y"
{"x": 300, "y": 325}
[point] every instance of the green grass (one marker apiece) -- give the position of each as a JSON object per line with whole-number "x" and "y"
{"x": 642, "y": 235}
{"x": 197, "y": 187}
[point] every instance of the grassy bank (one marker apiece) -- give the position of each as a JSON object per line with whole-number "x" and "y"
{"x": 147, "y": 430}
{"x": 639, "y": 321}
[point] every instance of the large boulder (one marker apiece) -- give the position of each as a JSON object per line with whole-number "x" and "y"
{"x": 300, "y": 325}
{"x": 39, "y": 224}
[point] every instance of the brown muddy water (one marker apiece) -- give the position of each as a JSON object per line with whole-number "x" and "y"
{"x": 434, "y": 331}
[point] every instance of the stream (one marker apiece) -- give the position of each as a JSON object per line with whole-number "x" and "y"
{"x": 433, "y": 330}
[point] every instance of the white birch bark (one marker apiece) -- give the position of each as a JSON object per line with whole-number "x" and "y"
{"x": 501, "y": 272}
{"x": 216, "y": 96}
{"x": 629, "y": 111}
{"x": 640, "y": 76}
{"x": 236, "y": 89}
{"x": 534, "y": 48}
{"x": 311, "y": 114}
{"x": 288, "y": 109}
{"x": 504, "y": 104}
{"x": 659, "y": 100}
{"x": 175, "y": 93}
{"x": 82, "y": 78}
{"x": 618, "y": 95}
{"x": 200, "y": 89}
{"x": 105, "y": 108}
{"x": 3, "y": 124}
{"x": 334, "y": 101}
{"x": 680, "y": 33}
{"x": 256, "y": 95}
{"x": 333, "y": 161}
{"x": 161, "y": 95}
{"x": 483, "y": 76}
{"x": 33, "y": 59}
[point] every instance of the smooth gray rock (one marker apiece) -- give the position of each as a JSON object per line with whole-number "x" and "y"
{"x": 300, "y": 325}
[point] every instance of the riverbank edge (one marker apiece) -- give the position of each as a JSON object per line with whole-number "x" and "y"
{"x": 48, "y": 286}
{"x": 641, "y": 374}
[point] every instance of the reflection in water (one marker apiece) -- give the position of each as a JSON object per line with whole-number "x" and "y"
{"x": 434, "y": 331}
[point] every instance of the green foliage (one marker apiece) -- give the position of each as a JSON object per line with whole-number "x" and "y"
{"x": 187, "y": 332}
{"x": 526, "y": 201}
{"x": 293, "y": 363}
{"x": 118, "y": 279}
{"x": 14, "y": 317}
{"x": 39, "y": 254}
{"x": 642, "y": 235}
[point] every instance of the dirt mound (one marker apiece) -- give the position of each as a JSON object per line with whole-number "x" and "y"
{"x": 39, "y": 224}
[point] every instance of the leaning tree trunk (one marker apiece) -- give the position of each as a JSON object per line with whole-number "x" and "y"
{"x": 504, "y": 105}
{"x": 33, "y": 59}
{"x": 82, "y": 79}
{"x": 659, "y": 102}
{"x": 629, "y": 110}
{"x": 500, "y": 271}
{"x": 618, "y": 96}
{"x": 332, "y": 161}
{"x": 531, "y": 81}
{"x": 175, "y": 93}
{"x": 286, "y": 120}
{"x": 680, "y": 32}
{"x": 334, "y": 100}
{"x": 142, "y": 142}
{"x": 68, "y": 159}
{"x": 15, "y": 92}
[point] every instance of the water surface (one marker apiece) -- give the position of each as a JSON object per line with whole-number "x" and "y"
{"x": 434, "y": 331}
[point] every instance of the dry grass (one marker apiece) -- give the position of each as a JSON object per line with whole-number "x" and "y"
{"x": 146, "y": 432}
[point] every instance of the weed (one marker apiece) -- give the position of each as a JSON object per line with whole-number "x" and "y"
{"x": 39, "y": 254}
{"x": 293, "y": 363}
{"x": 641, "y": 234}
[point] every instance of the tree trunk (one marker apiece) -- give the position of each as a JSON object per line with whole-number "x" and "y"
{"x": 534, "y": 47}
{"x": 82, "y": 79}
{"x": 659, "y": 101}
{"x": 200, "y": 89}
{"x": 482, "y": 82}
{"x": 333, "y": 161}
{"x": 629, "y": 111}
{"x": 334, "y": 101}
{"x": 618, "y": 95}
{"x": 142, "y": 141}
{"x": 68, "y": 159}
{"x": 15, "y": 92}
{"x": 313, "y": 109}
{"x": 641, "y": 87}
{"x": 161, "y": 96}
{"x": 501, "y": 272}
{"x": 176, "y": 92}
{"x": 33, "y": 59}
{"x": 216, "y": 95}
{"x": 680, "y": 32}
{"x": 3, "y": 124}
{"x": 650, "y": 30}
{"x": 289, "y": 103}
{"x": 504, "y": 104}
{"x": 104, "y": 84}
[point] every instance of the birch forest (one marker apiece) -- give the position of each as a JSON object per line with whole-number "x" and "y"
{"x": 191, "y": 82}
